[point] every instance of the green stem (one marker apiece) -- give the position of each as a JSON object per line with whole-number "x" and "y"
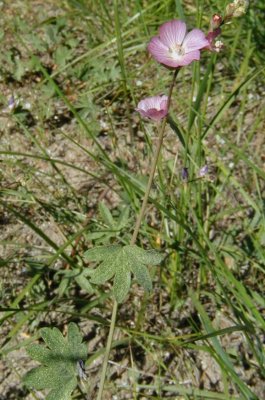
{"x": 134, "y": 237}
{"x": 107, "y": 352}
{"x": 153, "y": 166}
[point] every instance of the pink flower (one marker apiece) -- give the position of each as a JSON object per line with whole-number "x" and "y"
{"x": 174, "y": 47}
{"x": 155, "y": 107}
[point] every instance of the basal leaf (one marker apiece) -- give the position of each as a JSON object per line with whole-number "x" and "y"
{"x": 76, "y": 347}
{"x": 122, "y": 282}
{"x": 105, "y": 271}
{"x": 52, "y": 376}
{"x": 148, "y": 257}
{"x": 39, "y": 353}
{"x": 120, "y": 262}
{"x": 74, "y": 336}
{"x": 59, "y": 359}
{"x": 63, "y": 393}
{"x": 53, "y": 338}
{"x": 142, "y": 276}
{"x": 101, "y": 253}
{"x": 34, "y": 378}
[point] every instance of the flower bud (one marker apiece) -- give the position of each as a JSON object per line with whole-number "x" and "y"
{"x": 214, "y": 45}
{"x": 230, "y": 9}
{"x": 216, "y": 21}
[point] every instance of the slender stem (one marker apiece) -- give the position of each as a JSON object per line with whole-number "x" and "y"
{"x": 153, "y": 166}
{"x": 107, "y": 352}
{"x": 134, "y": 237}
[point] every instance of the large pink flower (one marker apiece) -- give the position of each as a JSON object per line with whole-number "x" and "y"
{"x": 155, "y": 107}
{"x": 174, "y": 47}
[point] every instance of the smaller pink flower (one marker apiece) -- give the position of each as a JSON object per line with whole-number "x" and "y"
{"x": 155, "y": 107}
{"x": 174, "y": 47}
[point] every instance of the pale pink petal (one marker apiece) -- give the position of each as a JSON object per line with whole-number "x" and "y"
{"x": 189, "y": 57}
{"x": 172, "y": 33}
{"x": 170, "y": 62}
{"x": 195, "y": 40}
{"x": 161, "y": 53}
{"x": 157, "y": 49}
{"x": 155, "y": 102}
{"x": 163, "y": 104}
{"x": 156, "y": 115}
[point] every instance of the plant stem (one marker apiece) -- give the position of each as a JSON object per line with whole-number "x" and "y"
{"x": 107, "y": 352}
{"x": 134, "y": 237}
{"x": 153, "y": 166}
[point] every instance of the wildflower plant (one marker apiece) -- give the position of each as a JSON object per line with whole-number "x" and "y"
{"x": 174, "y": 48}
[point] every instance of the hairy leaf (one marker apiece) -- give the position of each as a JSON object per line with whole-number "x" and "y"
{"x": 100, "y": 253}
{"x": 59, "y": 359}
{"x": 119, "y": 262}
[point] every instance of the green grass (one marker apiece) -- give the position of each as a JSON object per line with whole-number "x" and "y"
{"x": 74, "y": 168}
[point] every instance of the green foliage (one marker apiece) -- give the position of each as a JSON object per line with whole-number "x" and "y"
{"x": 77, "y": 275}
{"x": 74, "y": 61}
{"x": 59, "y": 359}
{"x": 120, "y": 262}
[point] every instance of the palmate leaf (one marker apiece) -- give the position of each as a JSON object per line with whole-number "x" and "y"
{"x": 59, "y": 359}
{"x": 120, "y": 262}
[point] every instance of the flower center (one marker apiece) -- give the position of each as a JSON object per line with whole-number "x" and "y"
{"x": 176, "y": 51}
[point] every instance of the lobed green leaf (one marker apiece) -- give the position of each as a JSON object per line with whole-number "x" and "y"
{"x": 122, "y": 283}
{"x": 39, "y": 353}
{"x": 104, "y": 272}
{"x": 120, "y": 262}
{"x": 101, "y": 253}
{"x": 149, "y": 257}
{"x": 53, "y": 338}
{"x": 63, "y": 393}
{"x": 142, "y": 276}
{"x": 59, "y": 368}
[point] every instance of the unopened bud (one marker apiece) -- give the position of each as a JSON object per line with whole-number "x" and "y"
{"x": 213, "y": 44}
{"x": 230, "y": 9}
{"x": 216, "y": 21}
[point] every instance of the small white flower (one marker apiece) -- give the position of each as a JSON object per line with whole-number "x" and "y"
{"x": 218, "y": 46}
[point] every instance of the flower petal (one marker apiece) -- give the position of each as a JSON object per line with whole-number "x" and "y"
{"x": 157, "y": 49}
{"x": 189, "y": 57}
{"x": 172, "y": 33}
{"x": 156, "y": 115}
{"x": 161, "y": 53}
{"x": 195, "y": 40}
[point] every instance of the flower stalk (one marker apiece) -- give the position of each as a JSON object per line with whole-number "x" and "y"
{"x": 135, "y": 234}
